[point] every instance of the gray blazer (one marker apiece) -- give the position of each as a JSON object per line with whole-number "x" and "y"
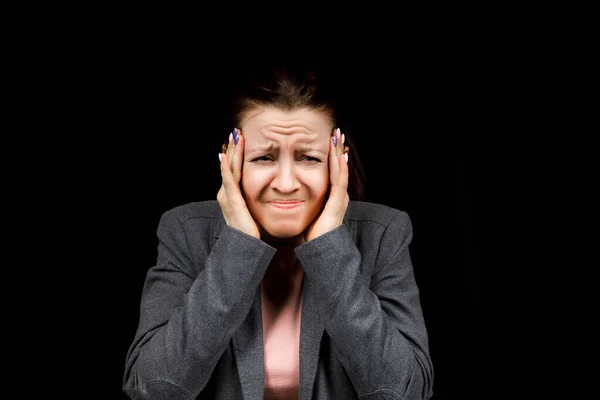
{"x": 200, "y": 328}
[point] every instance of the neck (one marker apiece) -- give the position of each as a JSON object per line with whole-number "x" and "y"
{"x": 283, "y": 243}
{"x": 284, "y": 264}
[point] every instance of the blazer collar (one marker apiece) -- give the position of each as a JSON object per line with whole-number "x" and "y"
{"x": 311, "y": 333}
{"x": 249, "y": 353}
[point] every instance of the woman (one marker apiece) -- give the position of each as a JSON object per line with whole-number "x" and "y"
{"x": 282, "y": 288}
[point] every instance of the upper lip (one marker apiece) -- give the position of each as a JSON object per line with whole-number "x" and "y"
{"x": 285, "y": 201}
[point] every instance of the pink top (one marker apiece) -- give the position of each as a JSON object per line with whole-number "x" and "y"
{"x": 281, "y": 295}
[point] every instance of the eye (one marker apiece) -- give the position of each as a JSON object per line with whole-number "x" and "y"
{"x": 310, "y": 159}
{"x": 264, "y": 158}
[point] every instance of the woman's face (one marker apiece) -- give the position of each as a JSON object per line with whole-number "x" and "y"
{"x": 285, "y": 175}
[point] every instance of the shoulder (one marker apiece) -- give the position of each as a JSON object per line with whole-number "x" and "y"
{"x": 379, "y": 230}
{"x": 201, "y": 210}
{"x": 380, "y": 214}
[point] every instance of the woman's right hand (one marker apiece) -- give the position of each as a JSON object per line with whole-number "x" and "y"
{"x": 230, "y": 197}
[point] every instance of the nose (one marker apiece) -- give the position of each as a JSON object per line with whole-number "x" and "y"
{"x": 285, "y": 179}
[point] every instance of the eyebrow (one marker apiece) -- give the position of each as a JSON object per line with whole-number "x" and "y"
{"x": 271, "y": 146}
{"x": 263, "y": 148}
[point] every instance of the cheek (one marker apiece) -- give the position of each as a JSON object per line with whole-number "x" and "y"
{"x": 317, "y": 181}
{"x": 254, "y": 180}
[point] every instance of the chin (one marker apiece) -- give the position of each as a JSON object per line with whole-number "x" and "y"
{"x": 283, "y": 232}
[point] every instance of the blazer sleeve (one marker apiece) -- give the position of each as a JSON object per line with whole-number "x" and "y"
{"x": 376, "y": 327}
{"x": 192, "y": 303}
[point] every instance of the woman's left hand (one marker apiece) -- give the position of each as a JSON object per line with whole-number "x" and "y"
{"x": 333, "y": 213}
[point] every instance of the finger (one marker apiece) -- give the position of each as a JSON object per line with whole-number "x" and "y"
{"x": 238, "y": 156}
{"x": 230, "y": 148}
{"x": 346, "y": 154}
{"x": 344, "y": 170}
{"x": 339, "y": 190}
{"x": 341, "y": 150}
{"x": 340, "y": 143}
{"x": 226, "y": 151}
{"x": 334, "y": 157}
{"x": 221, "y": 196}
{"x": 229, "y": 185}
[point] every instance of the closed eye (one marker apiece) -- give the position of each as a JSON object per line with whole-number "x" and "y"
{"x": 310, "y": 159}
{"x": 263, "y": 158}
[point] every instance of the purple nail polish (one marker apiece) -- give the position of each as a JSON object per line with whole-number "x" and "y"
{"x": 236, "y": 138}
{"x": 334, "y": 140}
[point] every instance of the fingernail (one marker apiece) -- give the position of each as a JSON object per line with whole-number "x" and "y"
{"x": 220, "y": 157}
{"x": 343, "y": 138}
{"x": 334, "y": 140}
{"x": 236, "y": 138}
{"x": 338, "y": 133}
{"x": 346, "y": 157}
{"x": 230, "y": 137}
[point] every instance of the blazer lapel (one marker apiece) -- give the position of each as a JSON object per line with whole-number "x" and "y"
{"x": 311, "y": 332}
{"x": 249, "y": 347}
{"x": 249, "y": 353}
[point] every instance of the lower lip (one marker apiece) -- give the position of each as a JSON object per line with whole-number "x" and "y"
{"x": 285, "y": 206}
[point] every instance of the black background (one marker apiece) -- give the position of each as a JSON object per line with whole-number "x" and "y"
{"x": 470, "y": 119}
{"x": 152, "y": 111}
{"x": 413, "y": 159}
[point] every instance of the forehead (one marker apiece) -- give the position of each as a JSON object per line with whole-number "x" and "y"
{"x": 270, "y": 123}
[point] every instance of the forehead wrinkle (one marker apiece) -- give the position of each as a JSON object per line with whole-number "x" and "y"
{"x": 288, "y": 129}
{"x": 270, "y": 129}
{"x": 300, "y": 146}
{"x": 278, "y": 139}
